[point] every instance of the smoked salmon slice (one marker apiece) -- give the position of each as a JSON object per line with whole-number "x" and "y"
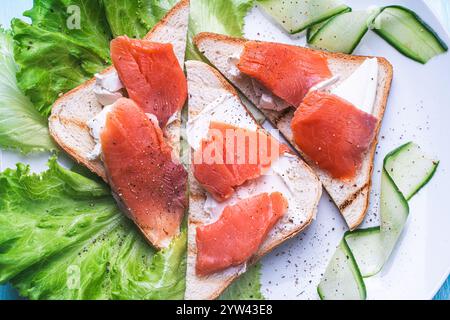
{"x": 151, "y": 74}
{"x": 289, "y": 72}
{"x": 236, "y": 236}
{"x": 148, "y": 184}
{"x": 230, "y": 156}
{"x": 333, "y": 133}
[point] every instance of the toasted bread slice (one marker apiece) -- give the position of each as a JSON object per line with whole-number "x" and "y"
{"x": 351, "y": 197}
{"x": 206, "y": 85}
{"x": 70, "y": 113}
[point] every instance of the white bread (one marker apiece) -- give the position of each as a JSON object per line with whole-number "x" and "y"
{"x": 70, "y": 113}
{"x": 205, "y": 86}
{"x": 351, "y": 197}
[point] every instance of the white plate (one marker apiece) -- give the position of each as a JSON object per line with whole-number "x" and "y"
{"x": 418, "y": 110}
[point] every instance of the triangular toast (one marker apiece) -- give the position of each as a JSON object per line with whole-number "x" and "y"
{"x": 351, "y": 197}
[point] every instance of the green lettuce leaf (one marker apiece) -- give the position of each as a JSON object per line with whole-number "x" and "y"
{"x": 247, "y": 287}
{"x": 219, "y": 16}
{"x": 21, "y": 126}
{"x": 117, "y": 10}
{"x": 62, "y": 237}
{"x": 141, "y": 15}
{"x": 54, "y": 58}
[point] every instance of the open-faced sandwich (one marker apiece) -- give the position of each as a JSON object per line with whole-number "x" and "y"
{"x": 124, "y": 125}
{"x": 328, "y": 105}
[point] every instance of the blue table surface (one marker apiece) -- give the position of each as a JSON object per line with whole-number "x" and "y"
{"x": 442, "y": 10}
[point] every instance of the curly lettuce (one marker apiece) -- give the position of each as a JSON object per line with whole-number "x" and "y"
{"x": 140, "y": 15}
{"x": 21, "y": 126}
{"x": 62, "y": 237}
{"x": 219, "y": 16}
{"x": 83, "y": 21}
{"x": 116, "y": 10}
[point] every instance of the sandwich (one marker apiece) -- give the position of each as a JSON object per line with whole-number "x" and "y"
{"x": 329, "y": 106}
{"x": 124, "y": 125}
{"x": 239, "y": 209}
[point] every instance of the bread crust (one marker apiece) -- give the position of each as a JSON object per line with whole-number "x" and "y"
{"x": 363, "y": 188}
{"x": 182, "y": 4}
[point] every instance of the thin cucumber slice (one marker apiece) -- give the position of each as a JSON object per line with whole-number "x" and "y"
{"x": 408, "y": 33}
{"x": 342, "y": 279}
{"x": 410, "y": 169}
{"x": 366, "y": 246}
{"x": 343, "y": 32}
{"x": 406, "y": 166}
{"x": 406, "y": 170}
{"x": 314, "y": 28}
{"x": 296, "y": 16}
{"x": 372, "y": 247}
